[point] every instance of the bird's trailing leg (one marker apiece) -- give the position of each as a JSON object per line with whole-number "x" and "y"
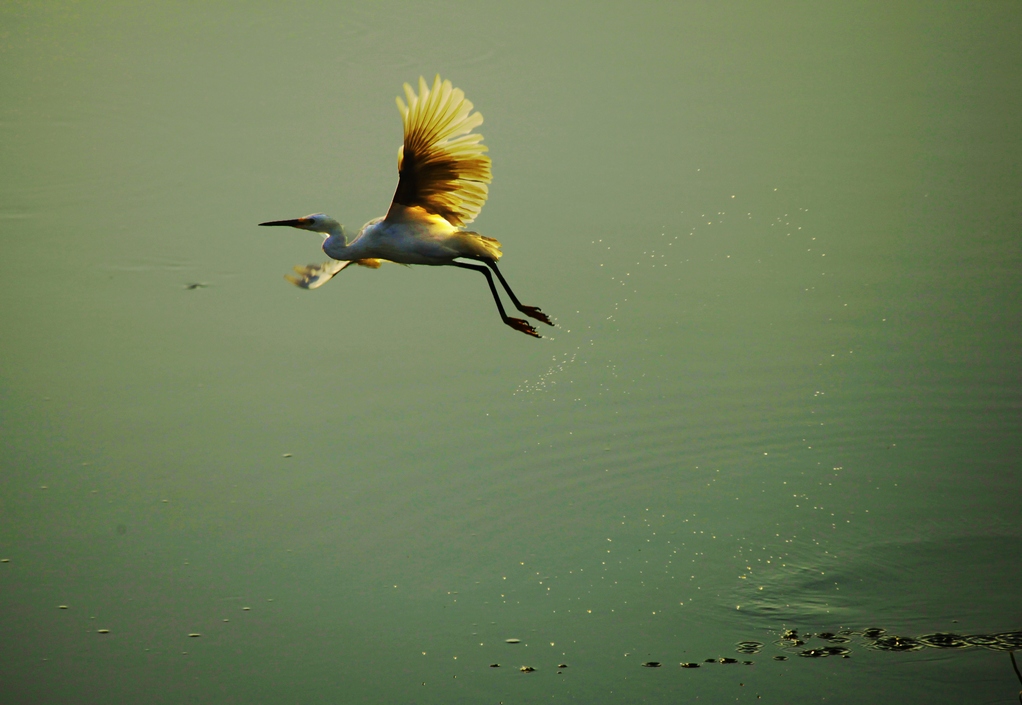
{"x": 530, "y": 311}
{"x": 518, "y": 324}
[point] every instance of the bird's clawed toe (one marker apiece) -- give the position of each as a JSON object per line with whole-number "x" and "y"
{"x": 534, "y": 312}
{"x": 522, "y": 325}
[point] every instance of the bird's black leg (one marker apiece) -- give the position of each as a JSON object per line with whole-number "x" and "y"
{"x": 516, "y": 323}
{"x": 530, "y": 311}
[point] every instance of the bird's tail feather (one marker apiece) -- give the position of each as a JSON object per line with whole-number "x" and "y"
{"x": 479, "y": 245}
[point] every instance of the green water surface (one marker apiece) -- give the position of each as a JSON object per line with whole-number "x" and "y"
{"x": 781, "y": 243}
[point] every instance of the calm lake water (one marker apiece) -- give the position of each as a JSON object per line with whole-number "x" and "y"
{"x": 782, "y": 246}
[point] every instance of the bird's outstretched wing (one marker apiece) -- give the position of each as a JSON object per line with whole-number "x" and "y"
{"x": 313, "y": 276}
{"x": 443, "y": 166}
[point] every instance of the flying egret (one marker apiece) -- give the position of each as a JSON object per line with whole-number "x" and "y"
{"x": 443, "y": 171}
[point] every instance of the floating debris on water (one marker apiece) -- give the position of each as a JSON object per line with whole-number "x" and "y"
{"x": 287, "y": 455}
{"x": 987, "y": 640}
{"x": 898, "y": 643}
{"x": 874, "y": 637}
{"x": 102, "y": 631}
{"x": 790, "y": 637}
{"x": 193, "y": 635}
{"x": 941, "y": 640}
{"x": 1008, "y": 641}
{"x": 246, "y": 609}
{"x": 61, "y": 607}
{"x": 749, "y": 647}
{"x": 813, "y": 653}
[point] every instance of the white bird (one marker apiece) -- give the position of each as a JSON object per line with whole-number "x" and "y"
{"x": 443, "y": 172}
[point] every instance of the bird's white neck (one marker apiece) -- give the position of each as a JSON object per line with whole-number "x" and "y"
{"x": 338, "y": 247}
{"x": 332, "y": 228}
{"x": 336, "y": 241}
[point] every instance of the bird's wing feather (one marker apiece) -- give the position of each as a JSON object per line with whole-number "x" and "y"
{"x": 313, "y": 276}
{"x": 442, "y": 163}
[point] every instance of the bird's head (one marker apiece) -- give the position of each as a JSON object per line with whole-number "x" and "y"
{"x": 317, "y": 223}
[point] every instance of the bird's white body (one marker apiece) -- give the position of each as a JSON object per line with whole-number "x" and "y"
{"x": 416, "y": 237}
{"x": 444, "y": 173}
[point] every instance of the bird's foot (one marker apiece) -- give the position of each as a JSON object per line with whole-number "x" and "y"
{"x": 522, "y": 325}
{"x": 534, "y": 312}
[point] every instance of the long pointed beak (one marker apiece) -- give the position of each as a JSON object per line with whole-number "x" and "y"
{"x": 293, "y": 223}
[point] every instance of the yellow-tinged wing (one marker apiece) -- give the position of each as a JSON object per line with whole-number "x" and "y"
{"x": 442, "y": 164}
